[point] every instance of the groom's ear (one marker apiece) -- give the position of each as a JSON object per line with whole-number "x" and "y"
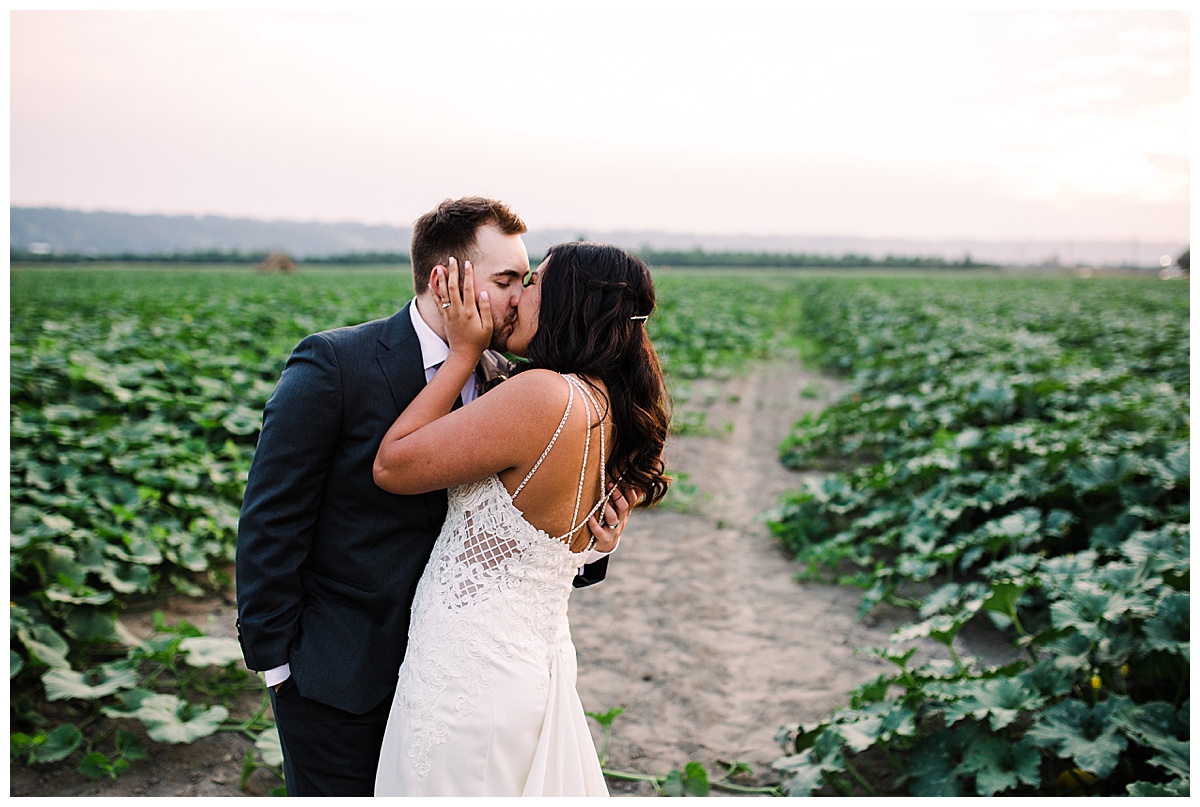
{"x": 434, "y": 276}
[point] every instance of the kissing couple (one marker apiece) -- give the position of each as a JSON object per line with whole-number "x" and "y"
{"x": 407, "y": 545}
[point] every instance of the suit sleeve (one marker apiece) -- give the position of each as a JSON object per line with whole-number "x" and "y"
{"x": 591, "y": 573}
{"x": 300, "y": 432}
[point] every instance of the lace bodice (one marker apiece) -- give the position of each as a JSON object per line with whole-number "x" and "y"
{"x": 495, "y": 589}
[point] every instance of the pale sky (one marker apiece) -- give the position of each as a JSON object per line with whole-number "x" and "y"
{"x": 915, "y": 124}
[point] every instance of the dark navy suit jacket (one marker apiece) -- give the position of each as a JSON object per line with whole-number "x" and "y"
{"x": 327, "y": 562}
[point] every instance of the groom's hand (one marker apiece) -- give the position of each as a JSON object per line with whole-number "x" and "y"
{"x": 607, "y": 525}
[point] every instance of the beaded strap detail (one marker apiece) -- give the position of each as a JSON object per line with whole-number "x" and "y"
{"x": 590, "y": 404}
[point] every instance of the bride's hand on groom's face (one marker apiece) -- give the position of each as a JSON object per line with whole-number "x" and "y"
{"x": 468, "y": 321}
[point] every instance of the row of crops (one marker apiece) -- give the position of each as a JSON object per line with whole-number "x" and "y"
{"x": 136, "y": 398}
{"x": 1013, "y": 455}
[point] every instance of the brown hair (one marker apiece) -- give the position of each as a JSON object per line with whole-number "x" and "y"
{"x": 589, "y": 299}
{"x": 449, "y": 230}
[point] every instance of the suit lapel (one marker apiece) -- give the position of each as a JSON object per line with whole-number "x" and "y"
{"x": 404, "y": 368}
{"x": 400, "y": 358}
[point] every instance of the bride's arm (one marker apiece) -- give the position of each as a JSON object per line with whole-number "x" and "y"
{"x": 429, "y": 447}
{"x": 504, "y": 428}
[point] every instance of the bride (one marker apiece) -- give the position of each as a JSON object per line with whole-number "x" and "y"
{"x": 486, "y": 702}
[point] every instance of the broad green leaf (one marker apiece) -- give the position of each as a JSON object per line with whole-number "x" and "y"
{"x": 62, "y": 683}
{"x": 19, "y": 617}
{"x": 605, "y": 719}
{"x": 132, "y": 699}
{"x": 873, "y": 691}
{"x": 1100, "y": 473}
{"x": 900, "y": 721}
{"x": 201, "y": 651}
{"x": 1175, "y": 467}
{"x": 1072, "y": 652}
{"x": 1170, "y": 628}
{"x": 181, "y": 628}
{"x": 58, "y": 524}
{"x": 185, "y": 586}
{"x": 1089, "y": 607}
{"x": 860, "y": 734}
{"x": 691, "y": 781}
{"x": 136, "y": 549}
{"x": 243, "y": 421}
{"x": 999, "y": 765}
{"x": 942, "y": 628}
{"x": 1165, "y": 549}
{"x": 125, "y": 578}
{"x": 19, "y": 743}
{"x": 269, "y": 747}
{"x": 57, "y": 745}
{"x": 45, "y": 644}
{"x": 61, "y": 566}
{"x": 15, "y": 663}
{"x": 95, "y": 765}
{"x": 1174, "y": 756}
{"x": 933, "y": 767}
{"x": 1004, "y": 596}
{"x": 1088, "y": 735}
{"x": 1179, "y": 787}
{"x": 801, "y": 774}
{"x": 169, "y": 719}
{"x": 129, "y": 746}
{"x": 90, "y": 623}
{"x": 898, "y": 657}
{"x": 998, "y": 700}
{"x": 1163, "y": 728}
{"x": 1049, "y": 680}
{"x": 84, "y": 595}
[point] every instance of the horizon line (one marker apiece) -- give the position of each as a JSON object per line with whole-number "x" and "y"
{"x": 628, "y": 230}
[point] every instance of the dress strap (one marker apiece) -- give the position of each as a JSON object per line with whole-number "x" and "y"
{"x": 550, "y": 445}
{"x": 589, "y": 404}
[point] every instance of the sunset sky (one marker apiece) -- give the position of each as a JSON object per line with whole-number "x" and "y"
{"x": 918, "y": 124}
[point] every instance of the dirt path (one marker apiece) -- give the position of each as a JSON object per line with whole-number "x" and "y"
{"x": 700, "y": 633}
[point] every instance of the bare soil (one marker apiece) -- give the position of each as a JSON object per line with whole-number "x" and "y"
{"x": 700, "y": 632}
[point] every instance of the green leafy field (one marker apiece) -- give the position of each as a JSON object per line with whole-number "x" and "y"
{"x": 1016, "y": 453}
{"x": 136, "y": 398}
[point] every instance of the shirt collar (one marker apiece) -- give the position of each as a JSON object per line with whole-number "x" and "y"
{"x": 434, "y": 349}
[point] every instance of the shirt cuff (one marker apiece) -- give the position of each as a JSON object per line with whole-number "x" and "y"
{"x": 594, "y": 556}
{"x": 278, "y": 675}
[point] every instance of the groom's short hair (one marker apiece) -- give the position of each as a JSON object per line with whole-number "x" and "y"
{"x": 449, "y": 231}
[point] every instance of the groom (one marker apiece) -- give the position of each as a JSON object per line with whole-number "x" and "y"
{"x": 327, "y": 563}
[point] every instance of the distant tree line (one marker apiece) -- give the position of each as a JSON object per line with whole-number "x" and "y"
{"x": 212, "y": 256}
{"x": 698, "y": 257}
{"x": 690, "y": 258}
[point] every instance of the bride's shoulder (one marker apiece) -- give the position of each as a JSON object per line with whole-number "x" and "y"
{"x": 536, "y": 387}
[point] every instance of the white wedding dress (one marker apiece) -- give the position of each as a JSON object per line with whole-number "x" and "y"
{"x": 486, "y": 702}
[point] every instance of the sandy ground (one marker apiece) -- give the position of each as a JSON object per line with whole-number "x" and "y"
{"x": 700, "y": 632}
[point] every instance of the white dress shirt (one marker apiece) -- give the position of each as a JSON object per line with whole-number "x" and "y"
{"x": 434, "y": 351}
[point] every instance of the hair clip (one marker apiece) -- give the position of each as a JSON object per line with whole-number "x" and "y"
{"x": 643, "y": 317}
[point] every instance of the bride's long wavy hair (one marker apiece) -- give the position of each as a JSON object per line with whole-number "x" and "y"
{"x": 591, "y": 322}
